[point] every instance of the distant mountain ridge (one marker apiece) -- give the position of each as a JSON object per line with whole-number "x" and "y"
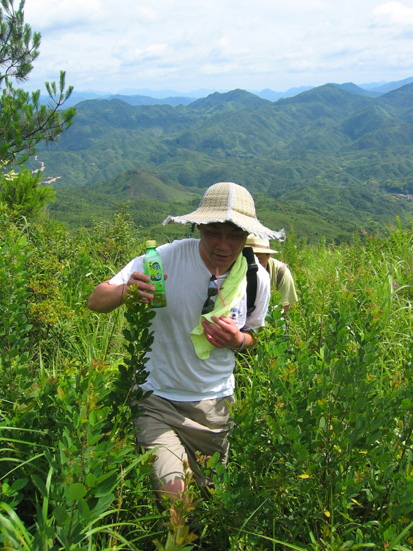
{"x": 170, "y": 97}
{"x": 390, "y": 86}
{"x": 328, "y": 148}
{"x": 354, "y": 89}
{"x": 237, "y": 98}
{"x": 233, "y": 124}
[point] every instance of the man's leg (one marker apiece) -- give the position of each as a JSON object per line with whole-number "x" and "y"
{"x": 170, "y": 456}
{"x": 205, "y": 432}
{"x": 180, "y": 430}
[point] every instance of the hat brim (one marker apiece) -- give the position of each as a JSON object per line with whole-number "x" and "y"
{"x": 262, "y": 249}
{"x": 247, "y": 223}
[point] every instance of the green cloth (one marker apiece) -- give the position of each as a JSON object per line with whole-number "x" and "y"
{"x": 232, "y": 292}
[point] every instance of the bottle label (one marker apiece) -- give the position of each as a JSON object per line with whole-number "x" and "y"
{"x": 155, "y": 271}
{"x": 153, "y": 268}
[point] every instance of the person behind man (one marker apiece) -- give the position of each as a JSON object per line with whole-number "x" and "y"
{"x": 192, "y": 359}
{"x": 280, "y": 274}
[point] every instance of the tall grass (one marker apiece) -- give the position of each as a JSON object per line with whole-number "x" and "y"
{"x": 321, "y": 452}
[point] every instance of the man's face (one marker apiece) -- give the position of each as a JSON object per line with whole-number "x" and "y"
{"x": 221, "y": 243}
{"x": 263, "y": 258}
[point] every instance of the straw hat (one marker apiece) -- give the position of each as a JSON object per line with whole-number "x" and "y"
{"x": 228, "y": 202}
{"x": 259, "y": 245}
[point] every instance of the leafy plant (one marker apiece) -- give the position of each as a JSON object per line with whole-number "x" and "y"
{"x": 83, "y": 465}
{"x": 321, "y": 451}
{"x": 24, "y": 121}
{"x": 23, "y": 193}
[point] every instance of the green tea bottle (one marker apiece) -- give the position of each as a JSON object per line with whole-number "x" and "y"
{"x": 152, "y": 266}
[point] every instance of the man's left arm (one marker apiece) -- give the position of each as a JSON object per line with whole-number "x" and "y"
{"x": 287, "y": 290}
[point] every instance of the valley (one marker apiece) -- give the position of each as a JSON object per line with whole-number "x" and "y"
{"x": 327, "y": 162}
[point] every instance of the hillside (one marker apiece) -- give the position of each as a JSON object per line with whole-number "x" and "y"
{"x": 327, "y": 148}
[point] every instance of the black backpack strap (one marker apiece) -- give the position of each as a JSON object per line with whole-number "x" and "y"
{"x": 251, "y": 279}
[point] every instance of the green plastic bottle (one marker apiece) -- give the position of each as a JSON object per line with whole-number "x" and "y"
{"x": 153, "y": 267}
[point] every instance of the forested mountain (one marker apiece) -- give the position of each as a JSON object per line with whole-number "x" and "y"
{"x": 330, "y": 151}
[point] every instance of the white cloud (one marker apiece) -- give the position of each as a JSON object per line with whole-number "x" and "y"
{"x": 393, "y": 13}
{"x": 145, "y": 13}
{"x": 48, "y": 14}
{"x": 213, "y": 43}
{"x": 128, "y": 54}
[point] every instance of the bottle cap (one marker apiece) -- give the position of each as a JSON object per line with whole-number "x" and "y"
{"x": 151, "y": 244}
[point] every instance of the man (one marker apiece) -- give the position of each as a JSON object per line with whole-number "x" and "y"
{"x": 192, "y": 359}
{"x": 280, "y": 275}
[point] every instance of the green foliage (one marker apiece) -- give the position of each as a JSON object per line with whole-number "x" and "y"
{"x": 322, "y": 444}
{"x": 19, "y": 46}
{"x": 23, "y": 194}
{"x": 126, "y": 392}
{"x": 321, "y": 452}
{"x": 69, "y": 460}
{"x": 24, "y": 121}
{"x": 79, "y": 475}
{"x": 14, "y": 294}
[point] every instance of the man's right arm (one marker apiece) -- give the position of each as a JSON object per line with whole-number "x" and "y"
{"x": 106, "y": 297}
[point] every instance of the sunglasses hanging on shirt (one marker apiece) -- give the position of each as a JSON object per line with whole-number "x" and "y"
{"x": 212, "y": 291}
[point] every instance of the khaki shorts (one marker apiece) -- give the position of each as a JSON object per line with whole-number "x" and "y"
{"x": 181, "y": 429}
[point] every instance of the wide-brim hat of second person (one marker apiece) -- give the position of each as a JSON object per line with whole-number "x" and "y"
{"x": 259, "y": 245}
{"x": 228, "y": 202}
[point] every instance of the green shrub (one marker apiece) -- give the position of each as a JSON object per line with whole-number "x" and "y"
{"x": 23, "y": 194}
{"x": 321, "y": 451}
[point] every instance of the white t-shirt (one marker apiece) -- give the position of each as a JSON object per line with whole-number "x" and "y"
{"x": 175, "y": 371}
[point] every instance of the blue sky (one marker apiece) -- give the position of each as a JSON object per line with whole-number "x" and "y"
{"x": 188, "y": 45}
